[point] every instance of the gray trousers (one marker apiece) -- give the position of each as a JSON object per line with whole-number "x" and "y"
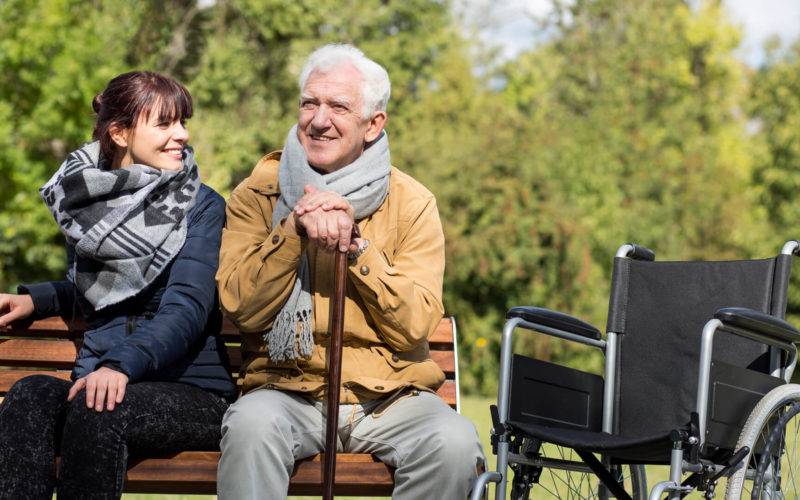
{"x": 434, "y": 449}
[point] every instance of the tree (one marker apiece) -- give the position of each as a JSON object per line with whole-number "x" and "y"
{"x": 627, "y": 126}
{"x": 239, "y": 58}
{"x": 54, "y": 56}
{"x": 626, "y": 122}
{"x": 774, "y": 108}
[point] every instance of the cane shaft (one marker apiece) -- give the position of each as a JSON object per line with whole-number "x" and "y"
{"x": 334, "y": 371}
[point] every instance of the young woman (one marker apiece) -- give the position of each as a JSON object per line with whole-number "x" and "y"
{"x": 143, "y": 236}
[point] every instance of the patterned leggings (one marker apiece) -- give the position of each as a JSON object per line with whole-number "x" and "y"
{"x": 36, "y": 422}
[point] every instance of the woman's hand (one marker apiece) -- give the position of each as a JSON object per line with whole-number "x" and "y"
{"x": 14, "y": 307}
{"x": 104, "y": 387}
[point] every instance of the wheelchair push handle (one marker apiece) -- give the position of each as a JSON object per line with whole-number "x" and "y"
{"x": 638, "y": 252}
{"x": 791, "y": 247}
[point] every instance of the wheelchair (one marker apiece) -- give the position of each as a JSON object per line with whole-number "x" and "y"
{"x": 698, "y": 363}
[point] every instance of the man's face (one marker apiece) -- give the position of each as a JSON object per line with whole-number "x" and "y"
{"x": 331, "y": 126}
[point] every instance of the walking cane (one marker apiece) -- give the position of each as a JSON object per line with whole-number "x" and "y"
{"x": 334, "y": 371}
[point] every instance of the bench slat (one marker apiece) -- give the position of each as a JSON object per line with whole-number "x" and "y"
{"x": 61, "y": 354}
{"x": 38, "y": 352}
{"x": 444, "y": 359}
{"x": 48, "y": 327}
{"x": 8, "y": 377}
{"x": 448, "y": 392}
{"x": 57, "y": 328}
{"x": 196, "y": 471}
{"x": 442, "y": 335}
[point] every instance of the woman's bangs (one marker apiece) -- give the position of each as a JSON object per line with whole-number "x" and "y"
{"x": 169, "y": 100}
{"x": 174, "y": 104}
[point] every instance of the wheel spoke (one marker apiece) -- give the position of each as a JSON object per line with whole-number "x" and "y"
{"x": 777, "y": 439}
{"x": 790, "y": 458}
{"x": 562, "y": 484}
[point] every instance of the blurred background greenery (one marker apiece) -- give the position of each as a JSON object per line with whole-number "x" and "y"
{"x": 629, "y": 120}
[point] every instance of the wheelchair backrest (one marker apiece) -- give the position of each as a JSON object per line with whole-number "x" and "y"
{"x": 659, "y": 309}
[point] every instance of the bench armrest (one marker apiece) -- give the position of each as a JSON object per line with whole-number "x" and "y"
{"x": 758, "y": 322}
{"x": 554, "y": 319}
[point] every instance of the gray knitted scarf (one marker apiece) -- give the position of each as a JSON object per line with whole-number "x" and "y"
{"x": 126, "y": 224}
{"x": 365, "y": 184}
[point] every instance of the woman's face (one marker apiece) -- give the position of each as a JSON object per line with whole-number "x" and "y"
{"x": 152, "y": 142}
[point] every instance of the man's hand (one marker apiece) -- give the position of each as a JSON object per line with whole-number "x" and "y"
{"x": 104, "y": 387}
{"x": 328, "y": 230}
{"x": 326, "y": 200}
{"x": 327, "y": 219}
{"x": 14, "y": 307}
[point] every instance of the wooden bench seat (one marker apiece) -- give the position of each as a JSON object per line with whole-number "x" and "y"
{"x": 49, "y": 347}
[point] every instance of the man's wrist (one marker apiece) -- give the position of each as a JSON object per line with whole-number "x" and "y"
{"x": 362, "y": 245}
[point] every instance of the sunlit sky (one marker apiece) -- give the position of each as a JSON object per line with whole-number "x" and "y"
{"x": 508, "y": 23}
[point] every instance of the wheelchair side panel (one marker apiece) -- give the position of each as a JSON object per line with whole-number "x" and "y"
{"x": 733, "y": 394}
{"x": 555, "y": 396}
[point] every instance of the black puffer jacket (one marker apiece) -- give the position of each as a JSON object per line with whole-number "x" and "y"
{"x": 168, "y": 332}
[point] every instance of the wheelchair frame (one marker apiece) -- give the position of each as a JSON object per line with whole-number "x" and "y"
{"x": 610, "y": 348}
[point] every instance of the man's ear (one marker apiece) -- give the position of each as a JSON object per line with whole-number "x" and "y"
{"x": 376, "y": 124}
{"x": 119, "y": 135}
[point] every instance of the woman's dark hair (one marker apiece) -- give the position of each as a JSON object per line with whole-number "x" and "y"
{"x": 129, "y": 95}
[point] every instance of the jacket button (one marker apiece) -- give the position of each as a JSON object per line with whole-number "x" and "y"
{"x": 364, "y": 270}
{"x": 395, "y": 358}
{"x": 275, "y": 239}
{"x": 303, "y": 388}
{"x": 378, "y": 387}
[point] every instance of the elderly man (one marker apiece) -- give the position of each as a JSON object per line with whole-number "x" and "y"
{"x": 276, "y": 277}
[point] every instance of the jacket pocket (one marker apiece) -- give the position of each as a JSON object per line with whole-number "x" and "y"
{"x": 402, "y": 359}
{"x": 385, "y": 405}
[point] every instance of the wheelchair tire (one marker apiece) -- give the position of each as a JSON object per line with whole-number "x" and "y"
{"x": 562, "y": 484}
{"x": 772, "y": 431}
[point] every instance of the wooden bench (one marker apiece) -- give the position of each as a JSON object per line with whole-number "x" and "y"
{"x": 49, "y": 347}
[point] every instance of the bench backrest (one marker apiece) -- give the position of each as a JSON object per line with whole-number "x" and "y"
{"x": 49, "y": 347}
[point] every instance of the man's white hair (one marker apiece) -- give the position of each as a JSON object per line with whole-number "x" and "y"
{"x": 375, "y": 88}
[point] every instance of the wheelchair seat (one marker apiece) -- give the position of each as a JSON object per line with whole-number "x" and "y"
{"x": 647, "y": 449}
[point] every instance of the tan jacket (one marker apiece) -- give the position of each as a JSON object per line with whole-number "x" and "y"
{"x": 394, "y": 290}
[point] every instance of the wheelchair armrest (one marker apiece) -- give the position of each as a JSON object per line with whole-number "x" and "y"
{"x": 758, "y": 322}
{"x": 554, "y": 319}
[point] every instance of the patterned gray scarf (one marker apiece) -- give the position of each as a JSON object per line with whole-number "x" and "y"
{"x": 126, "y": 224}
{"x": 365, "y": 184}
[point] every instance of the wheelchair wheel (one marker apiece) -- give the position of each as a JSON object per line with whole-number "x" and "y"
{"x": 772, "y": 432}
{"x": 564, "y": 481}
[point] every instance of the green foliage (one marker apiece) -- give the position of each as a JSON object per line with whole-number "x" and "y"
{"x": 775, "y": 110}
{"x": 630, "y": 121}
{"x": 54, "y": 56}
{"x": 623, "y": 127}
